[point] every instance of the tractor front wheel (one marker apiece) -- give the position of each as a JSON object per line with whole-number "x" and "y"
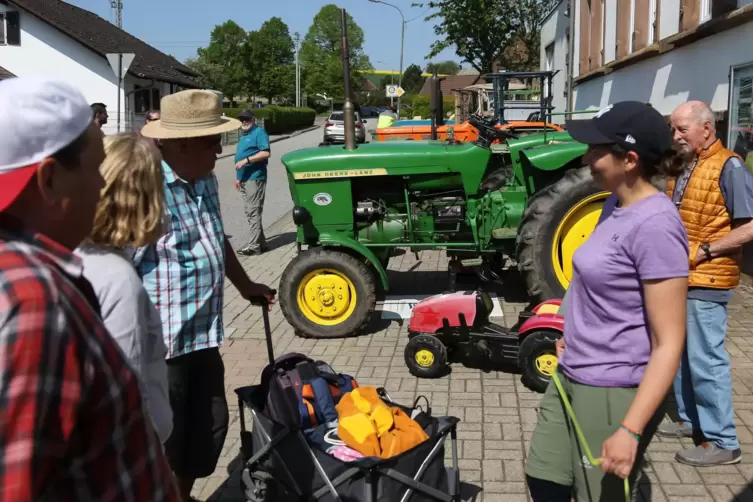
{"x": 555, "y": 223}
{"x": 326, "y": 293}
{"x": 537, "y": 359}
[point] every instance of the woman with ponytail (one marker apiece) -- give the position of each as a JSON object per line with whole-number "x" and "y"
{"x": 625, "y": 319}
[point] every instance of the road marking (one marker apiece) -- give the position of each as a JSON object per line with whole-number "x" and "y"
{"x": 400, "y": 306}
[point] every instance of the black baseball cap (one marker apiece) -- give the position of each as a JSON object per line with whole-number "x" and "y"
{"x": 635, "y": 126}
{"x": 246, "y": 114}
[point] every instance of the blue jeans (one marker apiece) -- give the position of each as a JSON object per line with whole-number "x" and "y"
{"x": 703, "y": 385}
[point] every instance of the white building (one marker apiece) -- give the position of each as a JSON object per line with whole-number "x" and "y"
{"x": 55, "y": 38}
{"x": 665, "y": 52}
{"x": 554, "y": 31}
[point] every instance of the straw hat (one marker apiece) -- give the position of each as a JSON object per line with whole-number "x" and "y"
{"x": 190, "y": 114}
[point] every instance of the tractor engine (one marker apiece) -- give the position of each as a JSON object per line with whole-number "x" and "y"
{"x": 426, "y": 217}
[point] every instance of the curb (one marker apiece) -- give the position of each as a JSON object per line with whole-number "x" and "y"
{"x": 276, "y": 139}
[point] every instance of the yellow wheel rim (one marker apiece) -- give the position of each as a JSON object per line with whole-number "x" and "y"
{"x": 326, "y": 297}
{"x": 546, "y": 364}
{"x": 574, "y": 229}
{"x": 424, "y": 358}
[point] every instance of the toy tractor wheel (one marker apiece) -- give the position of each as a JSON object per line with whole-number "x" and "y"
{"x": 426, "y": 356}
{"x": 537, "y": 359}
{"x": 326, "y": 293}
{"x": 555, "y": 223}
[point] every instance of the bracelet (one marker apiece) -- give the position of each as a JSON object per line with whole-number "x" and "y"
{"x": 635, "y": 435}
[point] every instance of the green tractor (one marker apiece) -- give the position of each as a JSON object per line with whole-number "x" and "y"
{"x": 529, "y": 199}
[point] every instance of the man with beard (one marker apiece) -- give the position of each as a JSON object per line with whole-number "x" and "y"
{"x": 251, "y": 159}
{"x": 715, "y": 198}
{"x": 99, "y": 115}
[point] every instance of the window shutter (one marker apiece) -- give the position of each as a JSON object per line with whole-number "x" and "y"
{"x": 13, "y": 35}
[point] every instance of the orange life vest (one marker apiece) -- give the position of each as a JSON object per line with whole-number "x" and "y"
{"x": 706, "y": 219}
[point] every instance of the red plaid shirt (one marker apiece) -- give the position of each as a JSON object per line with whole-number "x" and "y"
{"x": 72, "y": 425}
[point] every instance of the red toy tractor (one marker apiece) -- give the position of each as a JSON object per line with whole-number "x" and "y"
{"x": 455, "y": 327}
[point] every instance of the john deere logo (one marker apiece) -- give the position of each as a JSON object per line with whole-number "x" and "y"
{"x": 322, "y": 199}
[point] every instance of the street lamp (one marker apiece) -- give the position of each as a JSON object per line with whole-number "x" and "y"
{"x": 402, "y": 41}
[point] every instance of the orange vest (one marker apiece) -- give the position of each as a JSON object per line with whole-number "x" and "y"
{"x": 706, "y": 219}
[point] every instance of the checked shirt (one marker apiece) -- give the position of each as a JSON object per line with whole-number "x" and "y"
{"x": 184, "y": 273}
{"x": 72, "y": 424}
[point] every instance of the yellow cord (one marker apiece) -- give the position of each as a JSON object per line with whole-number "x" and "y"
{"x": 579, "y": 432}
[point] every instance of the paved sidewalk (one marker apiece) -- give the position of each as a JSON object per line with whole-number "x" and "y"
{"x": 498, "y": 413}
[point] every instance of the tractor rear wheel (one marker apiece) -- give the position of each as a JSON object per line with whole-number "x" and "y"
{"x": 326, "y": 293}
{"x": 555, "y": 223}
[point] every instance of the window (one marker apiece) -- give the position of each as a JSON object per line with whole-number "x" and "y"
{"x": 652, "y": 21}
{"x": 144, "y": 100}
{"x": 740, "y": 134}
{"x": 10, "y": 28}
{"x": 705, "y": 10}
{"x": 631, "y": 33}
{"x": 549, "y": 56}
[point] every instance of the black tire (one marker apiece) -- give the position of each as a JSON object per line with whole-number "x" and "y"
{"x": 534, "y": 345}
{"x": 437, "y": 364}
{"x": 543, "y": 214}
{"x": 355, "y": 270}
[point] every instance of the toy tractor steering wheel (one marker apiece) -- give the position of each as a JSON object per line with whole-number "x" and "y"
{"x": 488, "y": 133}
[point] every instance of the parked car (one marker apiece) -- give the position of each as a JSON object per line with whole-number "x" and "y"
{"x": 334, "y": 129}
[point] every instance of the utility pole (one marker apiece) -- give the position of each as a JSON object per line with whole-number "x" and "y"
{"x": 297, "y": 70}
{"x": 117, "y": 6}
{"x": 402, "y": 46}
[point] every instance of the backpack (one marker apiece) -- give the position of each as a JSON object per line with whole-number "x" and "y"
{"x": 301, "y": 392}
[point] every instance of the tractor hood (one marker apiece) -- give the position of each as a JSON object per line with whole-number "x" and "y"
{"x": 391, "y": 156}
{"x": 539, "y": 139}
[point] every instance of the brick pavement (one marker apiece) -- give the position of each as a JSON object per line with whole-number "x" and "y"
{"x": 498, "y": 414}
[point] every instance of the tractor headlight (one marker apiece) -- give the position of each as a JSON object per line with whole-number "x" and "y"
{"x": 301, "y": 215}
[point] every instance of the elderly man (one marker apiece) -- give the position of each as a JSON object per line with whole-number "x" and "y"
{"x": 72, "y": 426}
{"x": 251, "y": 159}
{"x": 184, "y": 274}
{"x": 715, "y": 199}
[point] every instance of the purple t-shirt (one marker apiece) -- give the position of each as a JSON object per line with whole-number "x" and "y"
{"x": 607, "y": 339}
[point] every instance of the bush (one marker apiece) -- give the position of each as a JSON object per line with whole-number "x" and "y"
{"x": 422, "y": 106}
{"x": 279, "y": 119}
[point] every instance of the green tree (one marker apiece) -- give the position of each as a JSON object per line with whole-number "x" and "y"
{"x": 269, "y": 60}
{"x": 320, "y": 59}
{"x": 500, "y": 31}
{"x": 412, "y": 79}
{"x": 221, "y": 63}
{"x": 444, "y": 68}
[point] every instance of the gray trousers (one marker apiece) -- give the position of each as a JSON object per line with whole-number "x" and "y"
{"x": 253, "y": 192}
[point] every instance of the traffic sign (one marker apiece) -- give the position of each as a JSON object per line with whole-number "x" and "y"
{"x": 120, "y": 63}
{"x": 394, "y": 91}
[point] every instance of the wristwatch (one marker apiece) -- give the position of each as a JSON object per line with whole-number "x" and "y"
{"x": 706, "y": 247}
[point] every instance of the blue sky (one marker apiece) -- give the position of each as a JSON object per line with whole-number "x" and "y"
{"x": 178, "y": 27}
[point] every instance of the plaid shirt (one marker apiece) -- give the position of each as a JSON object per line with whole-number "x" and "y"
{"x": 72, "y": 425}
{"x": 184, "y": 273}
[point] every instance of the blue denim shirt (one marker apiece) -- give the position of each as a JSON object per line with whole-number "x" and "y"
{"x": 253, "y": 141}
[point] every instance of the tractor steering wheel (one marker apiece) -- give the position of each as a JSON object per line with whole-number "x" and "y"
{"x": 488, "y": 133}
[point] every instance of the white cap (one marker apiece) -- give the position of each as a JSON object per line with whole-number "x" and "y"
{"x": 40, "y": 116}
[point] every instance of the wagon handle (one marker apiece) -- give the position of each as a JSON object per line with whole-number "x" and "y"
{"x": 264, "y": 304}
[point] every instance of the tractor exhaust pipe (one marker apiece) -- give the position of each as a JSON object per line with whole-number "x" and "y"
{"x": 349, "y": 109}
